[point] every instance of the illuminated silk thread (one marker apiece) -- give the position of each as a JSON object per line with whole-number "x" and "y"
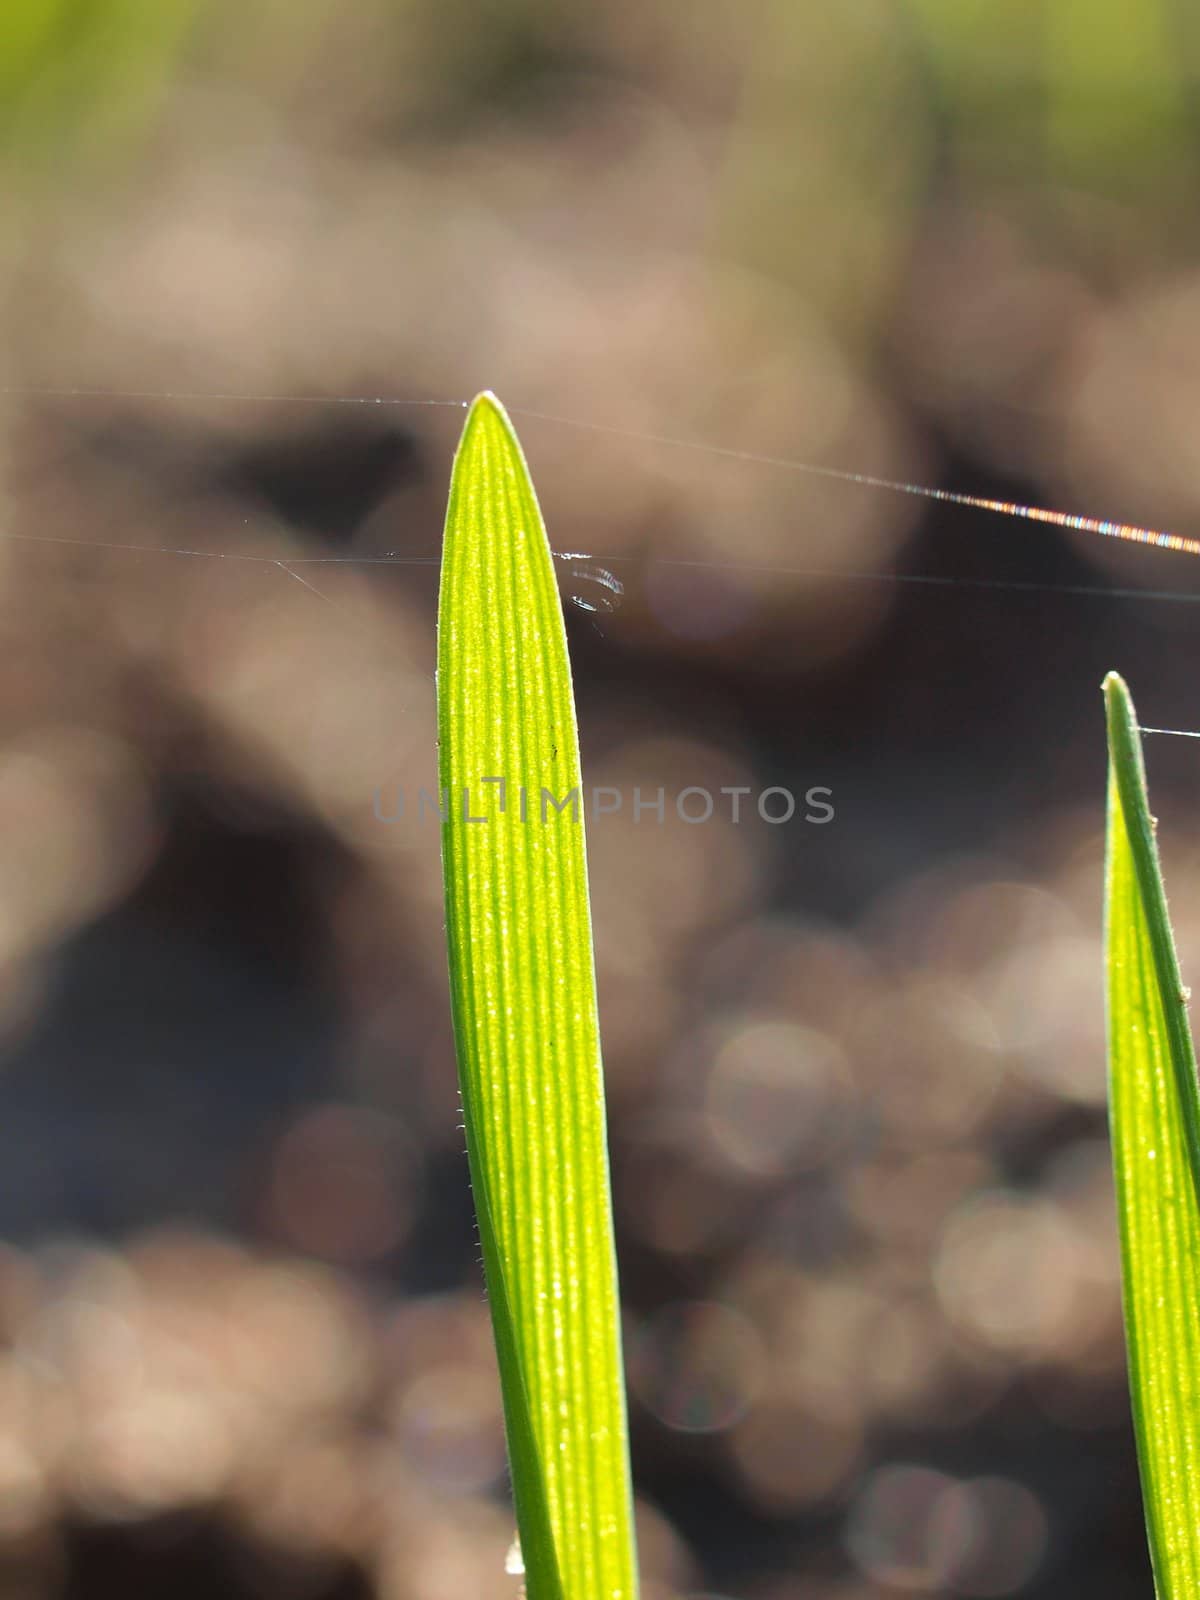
{"x": 1131, "y": 532}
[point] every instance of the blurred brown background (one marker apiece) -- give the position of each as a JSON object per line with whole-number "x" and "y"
{"x": 855, "y": 1070}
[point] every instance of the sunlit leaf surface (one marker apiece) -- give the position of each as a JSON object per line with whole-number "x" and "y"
{"x": 523, "y": 992}
{"x": 1155, "y": 1120}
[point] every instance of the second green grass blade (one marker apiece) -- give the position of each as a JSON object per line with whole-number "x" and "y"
{"x": 1155, "y": 1122}
{"x": 524, "y": 1002}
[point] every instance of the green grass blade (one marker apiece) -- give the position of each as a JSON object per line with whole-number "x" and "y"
{"x": 1154, "y": 1109}
{"x": 523, "y": 993}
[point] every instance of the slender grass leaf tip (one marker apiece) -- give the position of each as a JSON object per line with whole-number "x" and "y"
{"x": 1154, "y": 1115}
{"x": 523, "y": 997}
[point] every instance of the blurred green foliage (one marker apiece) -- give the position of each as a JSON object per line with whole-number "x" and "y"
{"x": 1059, "y": 94}
{"x": 838, "y": 115}
{"x": 85, "y": 76}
